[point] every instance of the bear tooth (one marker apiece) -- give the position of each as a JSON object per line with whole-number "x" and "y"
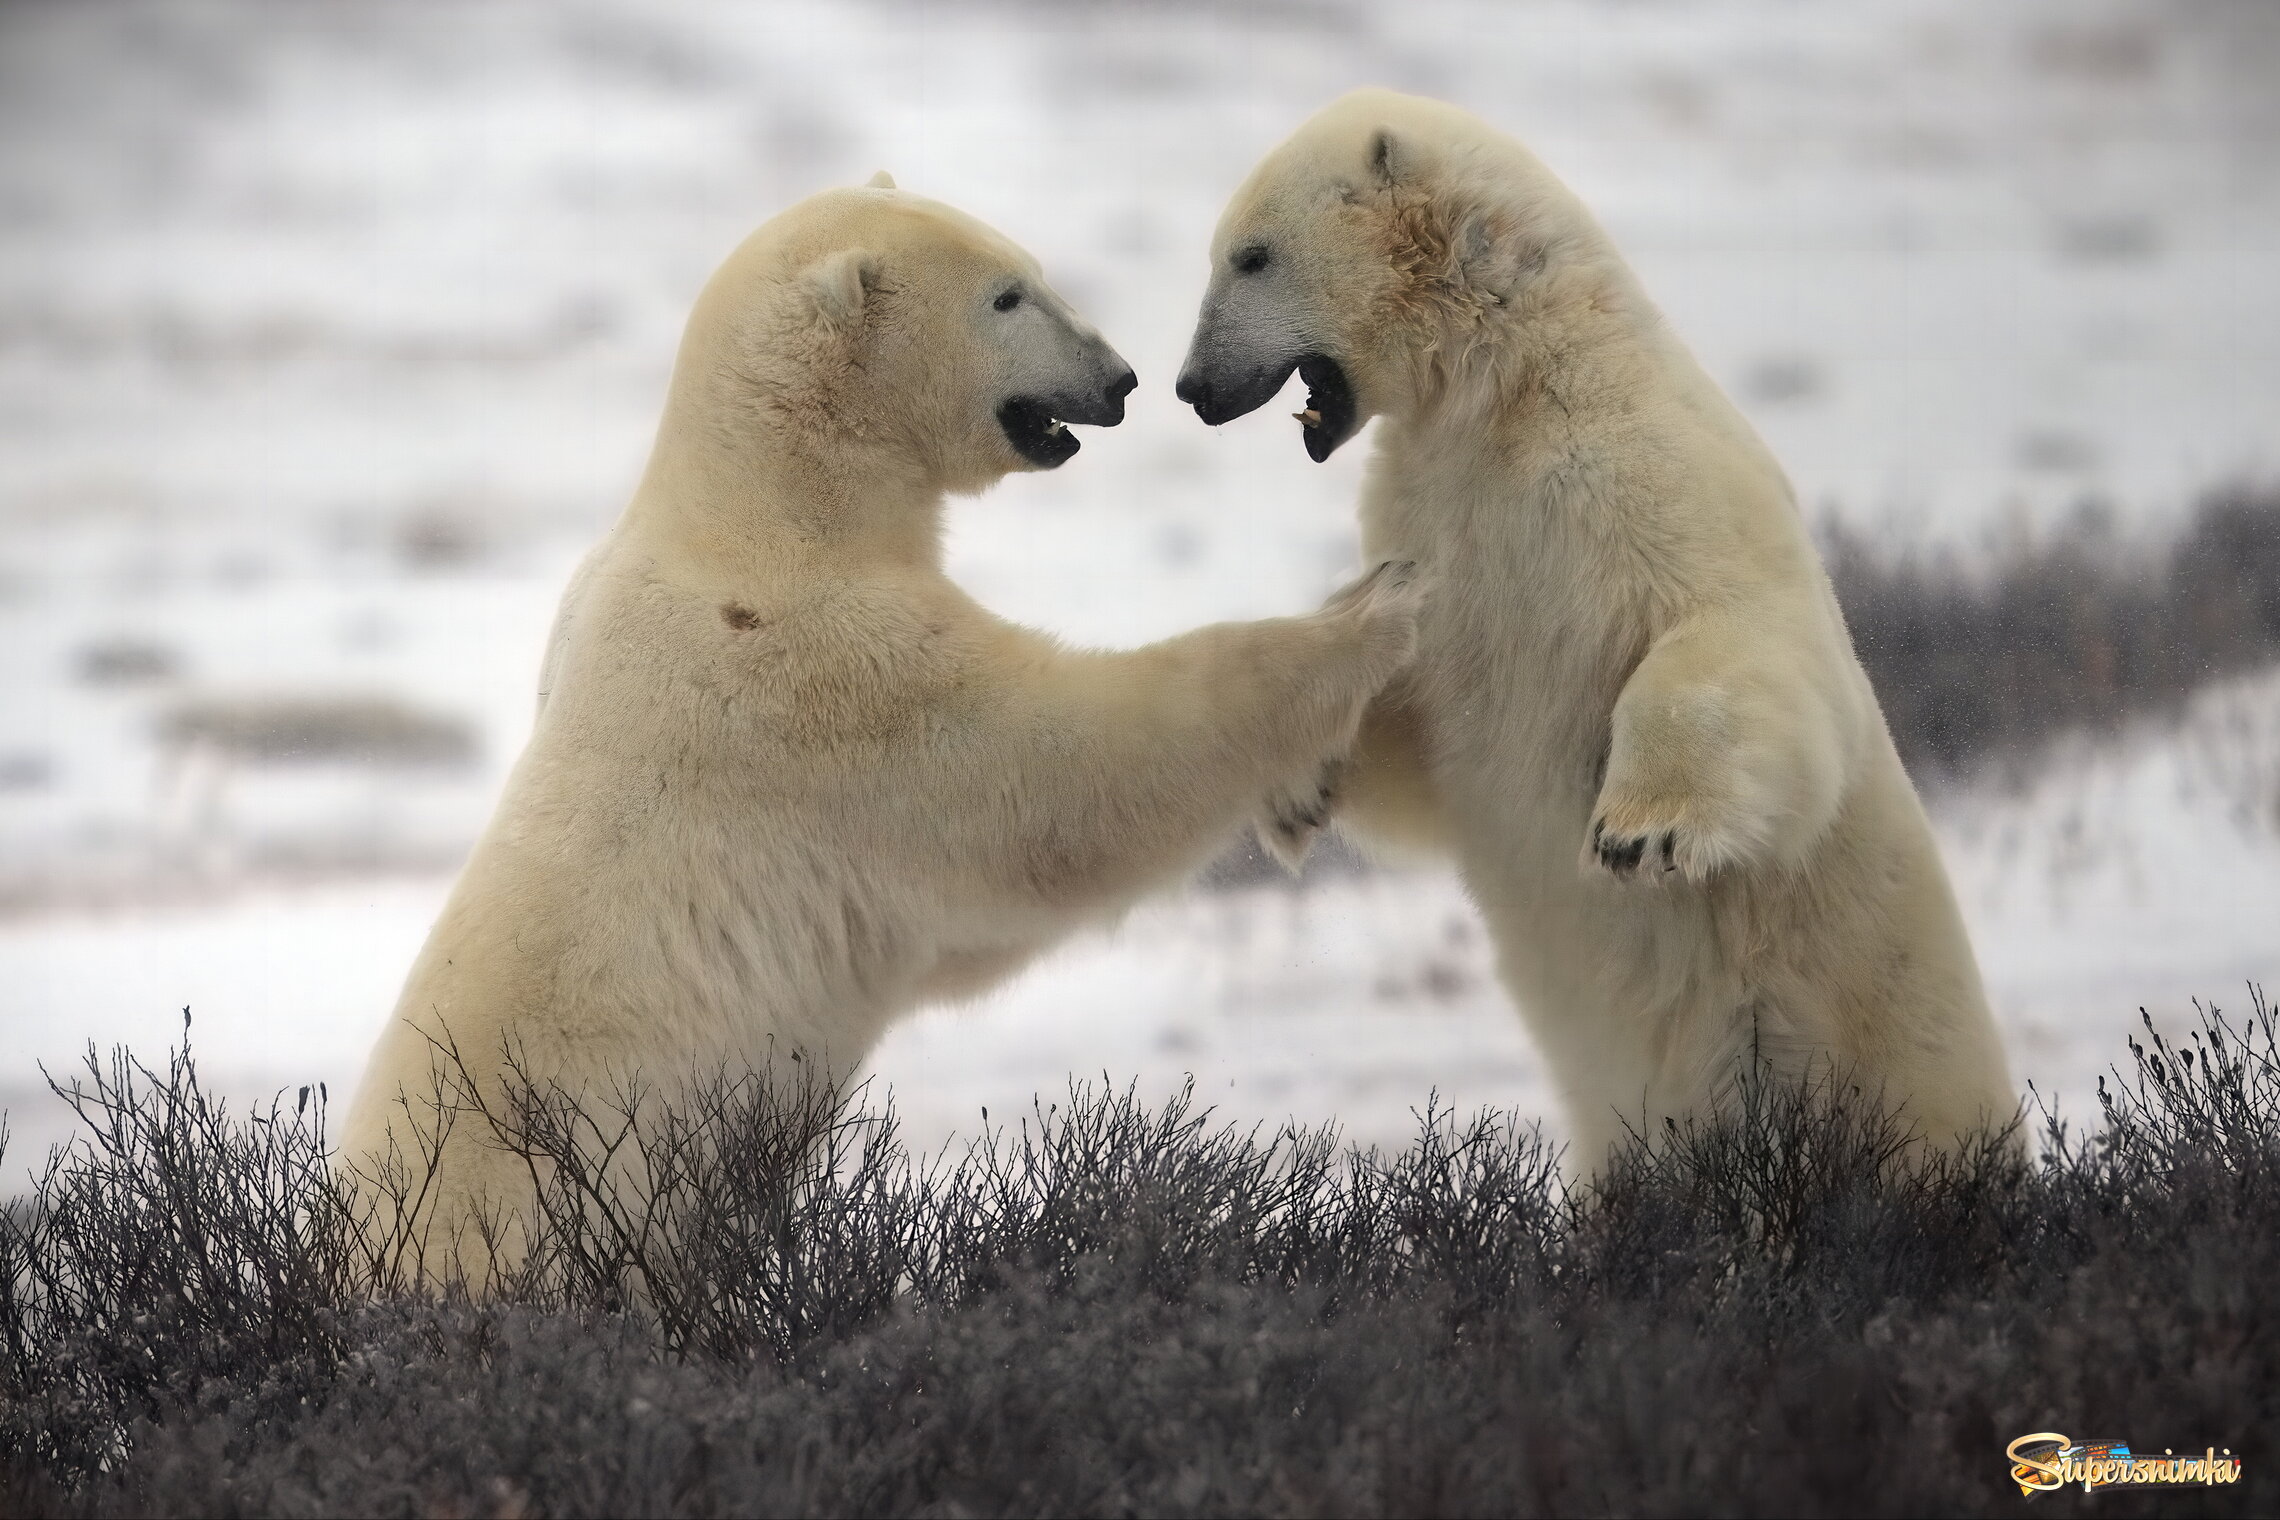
{"x": 1310, "y": 417}
{"x": 1052, "y": 425}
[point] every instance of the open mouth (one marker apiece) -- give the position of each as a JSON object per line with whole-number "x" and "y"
{"x": 1329, "y": 416}
{"x": 1035, "y": 433}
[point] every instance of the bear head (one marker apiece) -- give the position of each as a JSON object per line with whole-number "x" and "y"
{"x": 899, "y": 332}
{"x": 1383, "y": 252}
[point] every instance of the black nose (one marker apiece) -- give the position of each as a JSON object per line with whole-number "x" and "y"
{"x": 1119, "y": 388}
{"x": 1194, "y": 390}
{"x": 1112, "y": 400}
{"x": 1103, "y": 408}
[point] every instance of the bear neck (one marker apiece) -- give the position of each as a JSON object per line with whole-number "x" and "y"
{"x": 1581, "y": 331}
{"x": 1587, "y": 377}
{"x": 763, "y": 490}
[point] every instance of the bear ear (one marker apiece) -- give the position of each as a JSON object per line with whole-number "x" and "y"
{"x": 880, "y": 181}
{"x": 1389, "y": 157}
{"x": 839, "y": 283}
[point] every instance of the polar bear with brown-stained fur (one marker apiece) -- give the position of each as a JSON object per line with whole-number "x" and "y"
{"x": 787, "y": 781}
{"x": 1635, "y": 719}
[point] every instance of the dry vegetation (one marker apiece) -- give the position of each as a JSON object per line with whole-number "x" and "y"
{"x": 1118, "y": 1309}
{"x": 2078, "y": 631}
{"x": 1110, "y": 1308}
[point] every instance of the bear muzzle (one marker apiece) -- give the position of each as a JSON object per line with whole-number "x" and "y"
{"x": 1328, "y": 420}
{"x": 1034, "y": 424}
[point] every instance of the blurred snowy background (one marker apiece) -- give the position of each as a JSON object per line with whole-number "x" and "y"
{"x": 331, "y": 333}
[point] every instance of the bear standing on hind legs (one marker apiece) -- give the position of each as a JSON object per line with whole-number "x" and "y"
{"x": 1635, "y": 717}
{"x": 787, "y": 781}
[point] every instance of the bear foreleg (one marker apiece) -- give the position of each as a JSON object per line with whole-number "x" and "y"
{"x": 1724, "y": 751}
{"x": 1176, "y": 742}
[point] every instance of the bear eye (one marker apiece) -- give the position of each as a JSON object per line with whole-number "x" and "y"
{"x": 1007, "y": 301}
{"x": 1252, "y": 259}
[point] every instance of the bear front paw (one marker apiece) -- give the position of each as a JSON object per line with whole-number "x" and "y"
{"x": 1295, "y": 814}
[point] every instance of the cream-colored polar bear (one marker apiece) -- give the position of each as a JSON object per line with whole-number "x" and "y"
{"x": 1635, "y": 716}
{"x": 787, "y": 781}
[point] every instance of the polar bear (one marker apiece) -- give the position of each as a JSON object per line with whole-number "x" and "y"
{"x": 788, "y": 782}
{"x": 1635, "y": 718}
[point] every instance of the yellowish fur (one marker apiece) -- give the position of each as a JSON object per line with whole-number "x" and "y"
{"x": 787, "y": 781}
{"x": 1631, "y": 642}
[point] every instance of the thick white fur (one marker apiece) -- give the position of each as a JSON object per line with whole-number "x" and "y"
{"x": 1636, "y": 719}
{"x": 788, "y": 782}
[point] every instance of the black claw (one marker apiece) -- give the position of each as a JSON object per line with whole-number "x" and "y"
{"x": 1670, "y": 850}
{"x": 1622, "y": 858}
{"x": 1290, "y": 821}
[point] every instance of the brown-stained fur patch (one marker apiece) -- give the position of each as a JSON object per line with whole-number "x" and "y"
{"x": 1422, "y": 254}
{"x": 742, "y": 619}
{"x": 1432, "y": 299}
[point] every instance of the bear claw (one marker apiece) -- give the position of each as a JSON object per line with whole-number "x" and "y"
{"x": 1622, "y": 854}
{"x": 1292, "y": 821}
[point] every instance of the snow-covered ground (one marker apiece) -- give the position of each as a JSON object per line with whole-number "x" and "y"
{"x": 330, "y": 334}
{"x": 2136, "y": 873}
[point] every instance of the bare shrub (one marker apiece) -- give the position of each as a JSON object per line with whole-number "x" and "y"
{"x": 1973, "y": 668}
{"x": 1116, "y": 1307}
